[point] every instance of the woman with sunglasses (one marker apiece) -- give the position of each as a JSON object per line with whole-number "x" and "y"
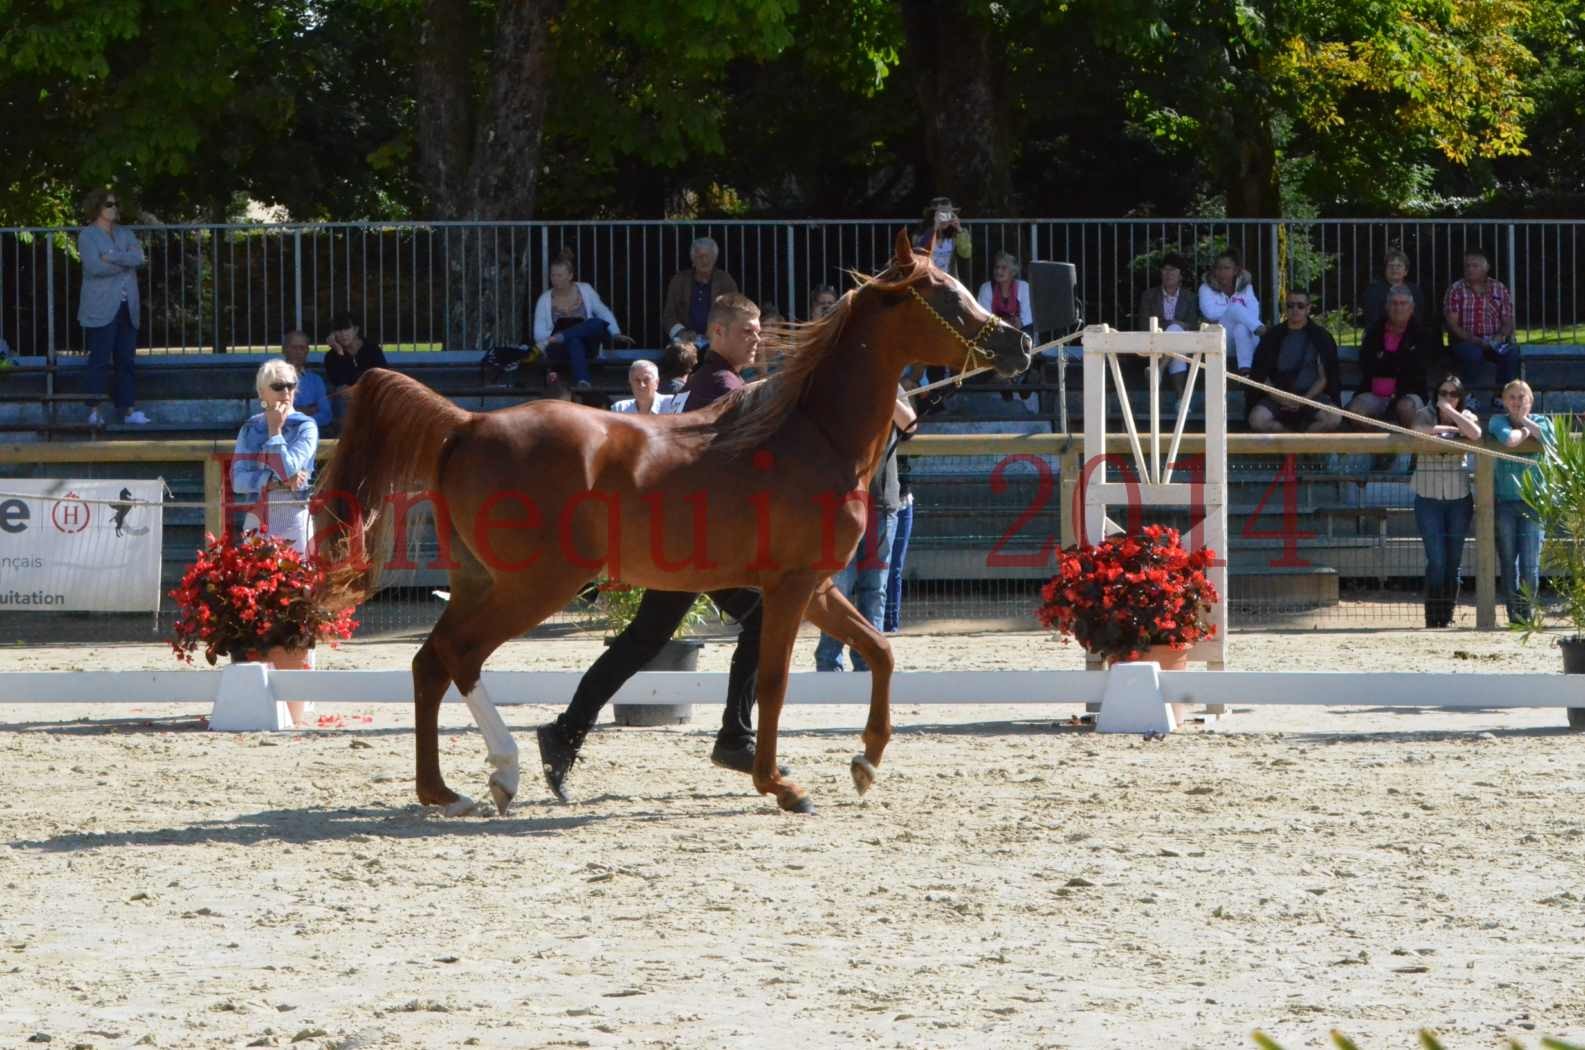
{"x": 270, "y": 475}
{"x": 1443, "y": 503}
{"x": 274, "y": 460}
{"x": 108, "y": 307}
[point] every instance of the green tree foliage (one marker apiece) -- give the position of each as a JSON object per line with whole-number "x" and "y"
{"x": 1368, "y": 87}
{"x": 582, "y": 108}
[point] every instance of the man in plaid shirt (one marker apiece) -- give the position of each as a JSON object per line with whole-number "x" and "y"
{"x": 1479, "y": 313}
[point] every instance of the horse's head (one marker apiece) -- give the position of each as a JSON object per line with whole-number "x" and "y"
{"x": 941, "y": 323}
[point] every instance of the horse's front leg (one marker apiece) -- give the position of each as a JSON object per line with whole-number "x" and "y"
{"x": 784, "y": 606}
{"x": 831, "y": 611}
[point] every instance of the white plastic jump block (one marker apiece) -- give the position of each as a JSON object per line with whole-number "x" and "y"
{"x": 1133, "y": 702}
{"x": 245, "y": 703}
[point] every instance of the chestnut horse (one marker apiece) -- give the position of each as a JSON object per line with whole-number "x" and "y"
{"x": 765, "y": 488}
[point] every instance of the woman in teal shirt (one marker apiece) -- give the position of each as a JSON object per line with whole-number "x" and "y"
{"x": 1518, "y": 530}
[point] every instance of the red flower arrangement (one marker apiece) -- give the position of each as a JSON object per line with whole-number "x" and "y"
{"x": 247, "y": 597}
{"x": 1129, "y": 593}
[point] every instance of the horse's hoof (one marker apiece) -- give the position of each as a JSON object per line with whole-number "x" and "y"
{"x": 864, "y": 773}
{"x": 796, "y": 803}
{"x": 462, "y": 807}
{"x": 503, "y": 798}
{"x": 503, "y": 782}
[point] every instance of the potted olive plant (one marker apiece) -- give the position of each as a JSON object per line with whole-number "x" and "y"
{"x": 616, "y": 603}
{"x": 1555, "y": 489}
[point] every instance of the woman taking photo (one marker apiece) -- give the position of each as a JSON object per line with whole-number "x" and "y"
{"x": 1443, "y": 504}
{"x": 108, "y": 310}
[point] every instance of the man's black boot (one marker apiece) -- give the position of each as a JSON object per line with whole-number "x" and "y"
{"x": 558, "y": 751}
{"x": 738, "y": 756}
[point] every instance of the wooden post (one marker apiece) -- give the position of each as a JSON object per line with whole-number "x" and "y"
{"x": 1485, "y": 543}
{"x": 214, "y": 491}
{"x": 1068, "y": 478}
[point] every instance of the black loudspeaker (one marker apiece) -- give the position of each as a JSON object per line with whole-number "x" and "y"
{"x": 1051, "y": 295}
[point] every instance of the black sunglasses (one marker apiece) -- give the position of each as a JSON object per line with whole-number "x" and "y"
{"x": 1445, "y": 392}
{"x": 281, "y": 388}
{"x": 112, "y": 204}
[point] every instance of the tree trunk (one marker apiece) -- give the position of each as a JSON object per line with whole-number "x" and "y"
{"x": 479, "y": 146}
{"x": 445, "y": 105}
{"x": 966, "y": 137}
{"x": 1247, "y": 158}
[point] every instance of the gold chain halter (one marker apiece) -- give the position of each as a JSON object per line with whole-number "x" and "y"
{"x": 972, "y": 347}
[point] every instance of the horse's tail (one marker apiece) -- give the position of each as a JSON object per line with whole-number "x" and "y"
{"x": 392, "y": 440}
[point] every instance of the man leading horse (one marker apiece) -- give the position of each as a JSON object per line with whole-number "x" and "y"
{"x": 773, "y": 476}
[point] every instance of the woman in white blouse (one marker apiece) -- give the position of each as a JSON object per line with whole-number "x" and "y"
{"x": 572, "y": 323}
{"x": 1228, "y": 298}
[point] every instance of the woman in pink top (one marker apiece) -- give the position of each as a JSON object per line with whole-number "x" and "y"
{"x": 1392, "y": 365}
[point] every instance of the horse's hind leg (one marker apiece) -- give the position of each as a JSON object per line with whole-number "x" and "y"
{"x": 831, "y": 611}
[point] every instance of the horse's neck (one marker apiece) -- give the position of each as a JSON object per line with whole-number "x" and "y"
{"x": 851, "y": 395}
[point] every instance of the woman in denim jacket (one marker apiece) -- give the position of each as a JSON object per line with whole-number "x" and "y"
{"x": 274, "y": 460}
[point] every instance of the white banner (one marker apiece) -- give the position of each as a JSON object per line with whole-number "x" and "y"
{"x": 80, "y": 545}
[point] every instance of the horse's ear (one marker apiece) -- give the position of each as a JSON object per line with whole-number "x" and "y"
{"x": 904, "y": 258}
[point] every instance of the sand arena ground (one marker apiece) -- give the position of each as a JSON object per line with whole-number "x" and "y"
{"x": 1013, "y": 880}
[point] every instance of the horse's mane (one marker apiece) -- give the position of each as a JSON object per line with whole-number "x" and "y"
{"x": 752, "y": 414}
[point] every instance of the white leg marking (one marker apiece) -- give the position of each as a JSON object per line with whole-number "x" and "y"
{"x": 501, "y": 748}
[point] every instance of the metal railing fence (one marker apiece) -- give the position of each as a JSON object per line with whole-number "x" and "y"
{"x": 466, "y": 285}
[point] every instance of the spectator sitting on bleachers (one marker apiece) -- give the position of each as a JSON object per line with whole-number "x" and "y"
{"x": 1299, "y": 357}
{"x": 692, "y": 292}
{"x": 1227, "y": 298}
{"x": 350, "y": 355}
{"x": 822, "y": 300}
{"x": 1478, "y": 311}
{"x": 643, "y": 378}
{"x": 571, "y": 322}
{"x": 1392, "y": 365}
{"x": 1173, "y": 309}
{"x": 312, "y": 399}
{"x": 679, "y": 361}
{"x": 1395, "y": 274}
{"x": 1006, "y": 296}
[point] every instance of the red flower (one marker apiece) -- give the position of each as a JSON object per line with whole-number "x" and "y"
{"x": 1131, "y": 592}
{"x": 227, "y": 596}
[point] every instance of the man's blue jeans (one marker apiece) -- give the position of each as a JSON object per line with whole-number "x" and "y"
{"x": 1518, "y": 554}
{"x": 1470, "y": 356}
{"x": 864, "y": 582}
{"x": 894, "y": 574}
{"x": 1444, "y": 525}
{"x": 579, "y": 345}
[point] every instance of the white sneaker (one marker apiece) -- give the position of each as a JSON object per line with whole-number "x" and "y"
{"x": 95, "y": 419}
{"x": 136, "y": 417}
